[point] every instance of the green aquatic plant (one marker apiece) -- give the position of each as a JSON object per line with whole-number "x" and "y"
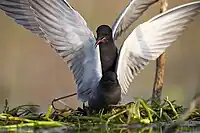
{"x": 140, "y": 112}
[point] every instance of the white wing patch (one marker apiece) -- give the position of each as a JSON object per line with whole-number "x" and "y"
{"x": 130, "y": 14}
{"x": 150, "y": 39}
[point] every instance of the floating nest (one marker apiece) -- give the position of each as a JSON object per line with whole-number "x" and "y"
{"x": 139, "y": 113}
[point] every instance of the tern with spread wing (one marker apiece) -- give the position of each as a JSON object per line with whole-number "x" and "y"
{"x": 102, "y": 74}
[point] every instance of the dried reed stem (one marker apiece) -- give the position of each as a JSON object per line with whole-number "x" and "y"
{"x": 160, "y": 64}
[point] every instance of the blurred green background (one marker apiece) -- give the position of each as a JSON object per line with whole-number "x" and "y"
{"x": 31, "y": 72}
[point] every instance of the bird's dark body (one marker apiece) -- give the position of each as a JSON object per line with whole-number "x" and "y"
{"x": 108, "y": 56}
{"x": 108, "y": 92}
{"x": 108, "y": 50}
{"x": 59, "y": 24}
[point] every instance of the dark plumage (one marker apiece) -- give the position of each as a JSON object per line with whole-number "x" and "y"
{"x": 108, "y": 50}
{"x": 108, "y": 92}
{"x": 101, "y": 75}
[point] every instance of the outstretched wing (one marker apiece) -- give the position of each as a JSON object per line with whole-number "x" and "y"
{"x": 67, "y": 32}
{"x": 129, "y": 15}
{"x": 20, "y": 11}
{"x": 150, "y": 39}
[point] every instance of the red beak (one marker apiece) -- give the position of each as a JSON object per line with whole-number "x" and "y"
{"x": 100, "y": 40}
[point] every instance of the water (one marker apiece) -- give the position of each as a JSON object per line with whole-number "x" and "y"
{"x": 186, "y": 127}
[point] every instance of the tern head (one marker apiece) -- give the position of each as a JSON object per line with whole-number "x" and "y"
{"x": 104, "y": 34}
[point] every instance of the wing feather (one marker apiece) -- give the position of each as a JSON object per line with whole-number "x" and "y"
{"x": 66, "y": 31}
{"x": 150, "y": 39}
{"x": 130, "y": 14}
{"x": 20, "y": 11}
{"x": 72, "y": 39}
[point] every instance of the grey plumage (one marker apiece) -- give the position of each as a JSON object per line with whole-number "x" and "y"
{"x": 20, "y": 11}
{"x": 150, "y": 39}
{"x": 67, "y": 32}
{"x": 129, "y": 15}
{"x": 69, "y": 35}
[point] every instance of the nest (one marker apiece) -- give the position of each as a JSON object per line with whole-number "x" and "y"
{"x": 139, "y": 113}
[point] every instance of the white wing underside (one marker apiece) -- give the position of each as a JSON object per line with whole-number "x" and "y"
{"x": 72, "y": 39}
{"x": 130, "y": 14}
{"x": 66, "y": 31}
{"x": 150, "y": 39}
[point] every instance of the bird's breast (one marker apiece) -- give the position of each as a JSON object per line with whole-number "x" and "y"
{"x": 107, "y": 93}
{"x": 108, "y": 57}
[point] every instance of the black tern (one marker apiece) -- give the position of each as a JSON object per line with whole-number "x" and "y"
{"x": 102, "y": 75}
